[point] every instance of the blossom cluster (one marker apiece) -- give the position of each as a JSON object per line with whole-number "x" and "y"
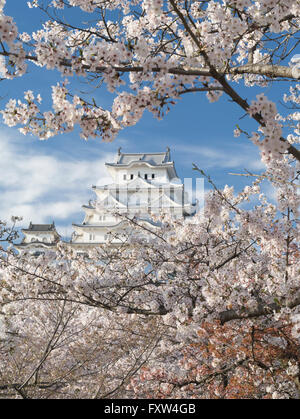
{"x": 8, "y": 29}
{"x": 272, "y": 146}
{"x": 66, "y": 113}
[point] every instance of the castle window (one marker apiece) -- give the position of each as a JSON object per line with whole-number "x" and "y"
{"x": 146, "y": 176}
{"x": 153, "y": 175}
{"x": 124, "y": 177}
{"x": 131, "y": 176}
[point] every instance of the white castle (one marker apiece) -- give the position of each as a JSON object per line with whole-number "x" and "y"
{"x": 38, "y": 238}
{"x": 143, "y": 184}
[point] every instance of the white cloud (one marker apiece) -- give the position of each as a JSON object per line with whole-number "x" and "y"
{"x": 41, "y": 187}
{"x": 223, "y": 157}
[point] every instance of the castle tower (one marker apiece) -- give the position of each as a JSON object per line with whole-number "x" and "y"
{"x": 143, "y": 184}
{"x": 38, "y": 238}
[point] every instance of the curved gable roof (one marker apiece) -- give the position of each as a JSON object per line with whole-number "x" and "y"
{"x": 153, "y": 159}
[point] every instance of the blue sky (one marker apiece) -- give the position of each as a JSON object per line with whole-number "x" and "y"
{"x": 50, "y": 180}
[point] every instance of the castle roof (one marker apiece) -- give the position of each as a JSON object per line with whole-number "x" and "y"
{"x": 152, "y": 159}
{"x": 40, "y": 228}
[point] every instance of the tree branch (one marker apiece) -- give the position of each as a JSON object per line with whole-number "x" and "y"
{"x": 262, "y": 310}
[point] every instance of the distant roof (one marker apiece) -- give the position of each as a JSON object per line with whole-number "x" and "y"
{"x": 154, "y": 159}
{"x": 40, "y": 227}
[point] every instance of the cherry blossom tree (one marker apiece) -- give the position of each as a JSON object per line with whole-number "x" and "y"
{"x": 205, "y": 307}
{"x": 60, "y": 348}
{"x": 151, "y": 53}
